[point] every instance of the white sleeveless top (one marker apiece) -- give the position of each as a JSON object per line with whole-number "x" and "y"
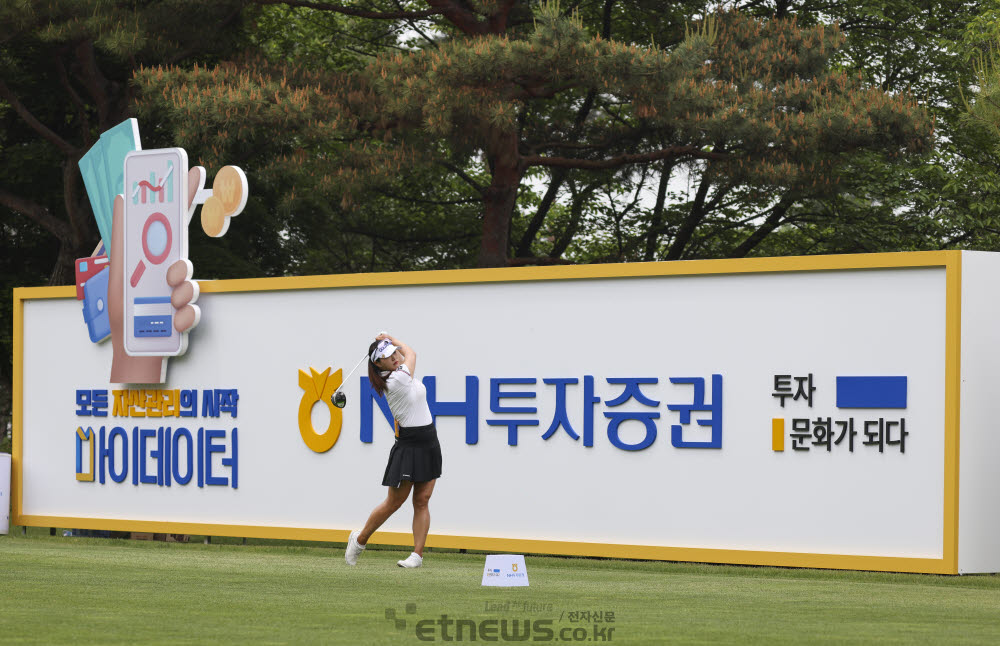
{"x": 407, "y": 398}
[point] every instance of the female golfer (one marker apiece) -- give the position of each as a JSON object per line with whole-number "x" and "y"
{"x": 415, "y": 458}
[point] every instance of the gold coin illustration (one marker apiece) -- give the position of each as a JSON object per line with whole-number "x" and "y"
{"x": 213, "y": 217}
{"x": 229, "y": 186}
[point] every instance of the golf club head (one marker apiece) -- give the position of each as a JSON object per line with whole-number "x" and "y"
{"x": 339, "y": 399}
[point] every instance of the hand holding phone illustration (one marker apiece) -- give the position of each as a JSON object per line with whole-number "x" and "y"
{"x": 150, "y": 294}
{"x": 155, "y": 238}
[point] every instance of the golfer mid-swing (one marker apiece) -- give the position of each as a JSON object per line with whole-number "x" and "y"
{"x": 415, "y": 458}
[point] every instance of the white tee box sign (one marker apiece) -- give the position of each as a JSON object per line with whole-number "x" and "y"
{"x": 505, "y": 571}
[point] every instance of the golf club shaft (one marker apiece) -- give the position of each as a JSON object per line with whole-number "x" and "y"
{"x": 349, "y": 375}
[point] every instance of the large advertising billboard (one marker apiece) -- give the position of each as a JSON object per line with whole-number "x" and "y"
{"x": 798, "y": 411}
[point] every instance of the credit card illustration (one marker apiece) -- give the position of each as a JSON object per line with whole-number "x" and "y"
{"x": 153, "y": 316}
{"x": 86, "y": 268}
{"x": 155, "y": 238}
{"x": 95, "y": 306}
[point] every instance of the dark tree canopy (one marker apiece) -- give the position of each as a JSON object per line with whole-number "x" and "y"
{"x": 756, "y": 99}
{"x": 65, "y": 77}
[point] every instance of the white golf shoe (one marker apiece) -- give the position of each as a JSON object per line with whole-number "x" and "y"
{"x": 354, "y": 548}
{"x": 413, "y": 560}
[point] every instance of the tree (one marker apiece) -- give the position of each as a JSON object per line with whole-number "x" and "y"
{"x": 65, "y": 69}
{"x": 755, "y": 101}
{"x": 64, "y": 76}
{"x": 947, "y": 199}
{"x": 983, "y": 41}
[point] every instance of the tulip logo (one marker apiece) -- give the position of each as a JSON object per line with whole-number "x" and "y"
{"x": 319, "y": 387}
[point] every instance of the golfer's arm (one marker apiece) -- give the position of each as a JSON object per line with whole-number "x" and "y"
{"x": 409, "y": 356}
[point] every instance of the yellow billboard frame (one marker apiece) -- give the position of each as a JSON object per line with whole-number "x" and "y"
{"x": 951, "y": 261}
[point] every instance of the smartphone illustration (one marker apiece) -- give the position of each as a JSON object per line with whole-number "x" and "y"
{"x": 155, "y": 238}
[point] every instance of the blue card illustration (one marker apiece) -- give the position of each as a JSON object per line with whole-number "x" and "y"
{"x": 95, "y": 306}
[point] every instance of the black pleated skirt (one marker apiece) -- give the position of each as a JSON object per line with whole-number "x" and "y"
{"x": 416, "y": 456}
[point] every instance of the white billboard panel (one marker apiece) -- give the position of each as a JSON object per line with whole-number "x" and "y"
{"x": 788, "y": 411}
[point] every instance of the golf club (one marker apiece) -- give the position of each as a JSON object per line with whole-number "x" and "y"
{"x": 338, "y": 398}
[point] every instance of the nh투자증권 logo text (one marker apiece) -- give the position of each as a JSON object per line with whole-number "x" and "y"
{"x": 631, "y": 406}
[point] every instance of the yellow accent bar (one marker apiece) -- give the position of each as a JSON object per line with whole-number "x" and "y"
{"x": 580, "y": 272}
{"x": 905, "y": 259}
{"x": 90, "y": 438}
{"x": 17, "y": 403}
{"x": 61, "y": 291}
{"x": 952, "y": 408}
{"x": 778, "y": 434}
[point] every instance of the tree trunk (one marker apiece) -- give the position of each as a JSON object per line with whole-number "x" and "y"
{"x": 691, "y": 222}
{"x": 773, "y": 220}
{"x": 555, "y": 182}
{"x": 499, "y": 200}
{"x": 656, "y": 217}
{"x": 82, "y": 235}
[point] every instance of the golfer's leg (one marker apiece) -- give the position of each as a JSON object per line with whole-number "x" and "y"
{"x": 421, "y": 514}
{"x": 393, "y": 501}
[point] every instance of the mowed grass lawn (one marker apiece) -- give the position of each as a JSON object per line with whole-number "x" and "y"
{"x": 83, "y": 590}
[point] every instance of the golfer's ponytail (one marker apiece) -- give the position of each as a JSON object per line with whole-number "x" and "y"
{"x": 374, "y": 374}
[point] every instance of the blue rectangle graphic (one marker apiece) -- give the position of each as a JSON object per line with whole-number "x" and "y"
{"x": 150, "y": 300}
{"x": 152, "y": 326}
{"x": 871, "y": 392}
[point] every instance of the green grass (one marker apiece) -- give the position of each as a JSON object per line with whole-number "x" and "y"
{"x": 82, "y": 590}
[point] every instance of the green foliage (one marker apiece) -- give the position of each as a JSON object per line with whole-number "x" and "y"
{"x": 945, "y": 200}
{"x": 65, "y": 68}
{"x": 757, "y": 98}
{"x": 982, "y": 39}
{"x": 326, "y": 40}
{"x": 879, "y": 201}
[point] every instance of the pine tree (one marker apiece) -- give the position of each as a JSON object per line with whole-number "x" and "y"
{"x": 757, "y": 99}
{"x": 65, "y": 73}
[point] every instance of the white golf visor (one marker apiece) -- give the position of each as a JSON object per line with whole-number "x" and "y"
{"x": 385, "y": 348}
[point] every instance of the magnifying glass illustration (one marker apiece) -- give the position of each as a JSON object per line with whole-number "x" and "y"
{"x": 156, "y": 233}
